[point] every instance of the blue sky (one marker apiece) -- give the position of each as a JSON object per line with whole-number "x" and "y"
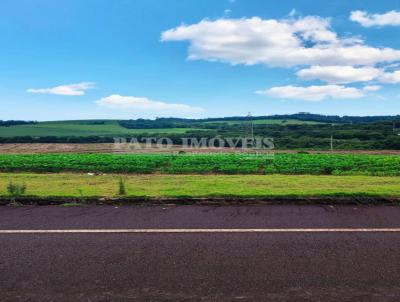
{"x": 73, "y": 59}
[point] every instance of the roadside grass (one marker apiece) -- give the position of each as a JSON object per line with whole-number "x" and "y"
{"x": 82, "y": 185}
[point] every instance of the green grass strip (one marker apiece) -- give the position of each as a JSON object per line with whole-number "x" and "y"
{"x": 83, "y": 185}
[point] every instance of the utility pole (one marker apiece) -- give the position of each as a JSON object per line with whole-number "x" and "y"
{"x": 331, "y": 142}
{"x": 251, "y": 128}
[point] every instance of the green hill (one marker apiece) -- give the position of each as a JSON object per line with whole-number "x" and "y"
{"x": 297, "y": 131}
{"x": 82, "y": 128}
{"x": 78, "y": 128}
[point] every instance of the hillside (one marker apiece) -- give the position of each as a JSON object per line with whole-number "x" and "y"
{"x": 77, "y": 128}
{"x": 82, "y": 128}
{"x": 297, "y": 131}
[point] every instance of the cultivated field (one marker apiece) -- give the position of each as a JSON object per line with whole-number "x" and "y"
{"x": 289, "y": 132}
{"x": 215, "y": 163}
{"x": 113, "y": 128}
{"x": 237, "y": 175}
{"x": 79, "y": 128}
{"x": 78, "y": 159}
{"x": 110, "y": 148}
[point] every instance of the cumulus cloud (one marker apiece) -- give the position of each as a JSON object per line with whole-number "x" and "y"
{"x": 366, "y": 19}
{"x": 308, "y": 42}
{"x": 391, "y": 77}
{"x": 144, "y": 104}
{"x": 314, "y": 93}
{"x": 348, "y": 74}
{"x": 372, "y": 88}
{"x": 288, "y": 42}
{"x": 340, "y": 74}
{"x": 69, "y": 90}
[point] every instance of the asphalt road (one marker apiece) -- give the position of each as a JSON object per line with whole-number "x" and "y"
{"x": 330, "y": 265}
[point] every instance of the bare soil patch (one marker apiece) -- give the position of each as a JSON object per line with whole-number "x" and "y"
{"x": 109, "y": 148}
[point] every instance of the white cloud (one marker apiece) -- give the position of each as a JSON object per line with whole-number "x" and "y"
{"x": 340, "y": 74}
{"x": 303, "y": 41}
{"x": 314, "y": 93}
{"x": 348, "y": 74}
{"x": 70, "y": 90}
{"x": 372, "y": 88}
{"x": 292, "y": 13}
{"x": 307, "y": 42}
{"x": 391, "y": 77}
{"x": 144, "y": 104}
{"x": 227, "y": 12}
{"x": 367, "y": 20}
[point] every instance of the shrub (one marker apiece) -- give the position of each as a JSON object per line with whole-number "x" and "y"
{"x": 16, "y": 190}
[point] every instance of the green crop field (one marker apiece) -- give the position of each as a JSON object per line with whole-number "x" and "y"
{"x": 78, "y": 185}
{"x": 216, "y": 163}
{"x": 79, "y": 128}
{"x": 110, "y": 128}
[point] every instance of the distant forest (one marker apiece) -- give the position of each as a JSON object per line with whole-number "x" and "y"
{"x": 307, "y": 117}
{"x": 347, "y": 132}
{"x": 14, "y": 123}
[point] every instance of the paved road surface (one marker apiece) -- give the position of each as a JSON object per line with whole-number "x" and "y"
{"x": 330, "y": 265}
